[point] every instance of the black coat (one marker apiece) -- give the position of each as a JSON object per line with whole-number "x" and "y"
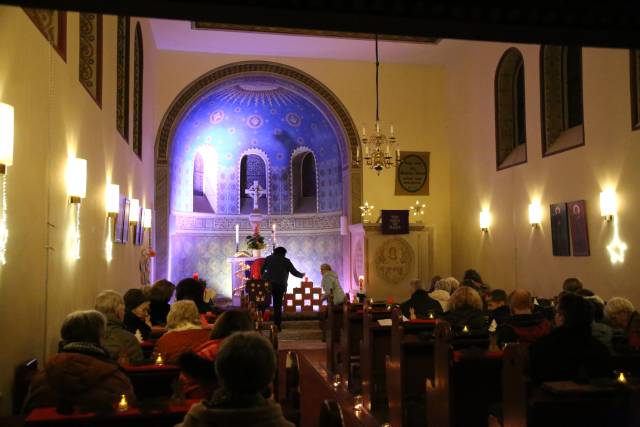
{"x": 500, "y": 315}
{"x": 276, "y": 269}
{"x": 476, "y": 321}
{"x": 158, "y": 310}
{"x": 133, "y": 322}
{"x": 569, "y": 355}
{"x": 526, "y": 328}
{"x": 422, "y": 303}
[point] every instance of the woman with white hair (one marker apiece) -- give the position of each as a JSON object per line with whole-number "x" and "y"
{"x": 121, "y": 344}
{"x": 184, "y": 331}
{"x": 623, "y": 317}
{"x": 442, "y": 290}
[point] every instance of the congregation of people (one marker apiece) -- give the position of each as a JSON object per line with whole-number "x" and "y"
{"x": 572, "y": 336}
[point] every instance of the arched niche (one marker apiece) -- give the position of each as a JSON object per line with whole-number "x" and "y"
{"x": 304, "y": 181}
{"x": 351, "y": 178}
{"x": 253, "y": 169}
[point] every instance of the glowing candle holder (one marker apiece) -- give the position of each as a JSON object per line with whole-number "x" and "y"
{"x": 337, "y": 380}
{"x": 465, "y": 329}
{"x": 358, "y": 404}
{"x": 622, "y": 379}
{"x": 123, "y": 405}
{"x": 159, "y": 360}
{"x": 431, "y": 316}
{"x": 412, "y": 313}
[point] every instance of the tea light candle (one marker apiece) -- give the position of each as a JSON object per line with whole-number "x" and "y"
{"x": 621, "y": 378}
{"x": 412, "y": 313}
{"x": 430, "y": 315}
{"x": 358, "y": 403}
{"x": 237, "y": 234}
{"x": 336, "y": 381}
{"x": 123, "y": 405}
{"x": 465, "y": 330}
{"x": 159, "y": 361}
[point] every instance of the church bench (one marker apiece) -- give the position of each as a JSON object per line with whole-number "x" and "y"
{"x": 153, "y": 381}
{"x": 332, "y": 329}
{"x": 316, "y": 385}
{"x": 467, "y": 380}
{"x": 169, "y": 415}
{"x": 375, "y": 346}
{"x": 602, "y": 403}
{"x": 407, "y": 366}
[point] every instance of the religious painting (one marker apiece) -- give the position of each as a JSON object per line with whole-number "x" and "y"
{"x": 118, "y": 223}
{"x": 138, "y": 230}
{"x": 412, "y": 175}
{"x": 579, "y": 232}
{"x": 395, "y": 222}
{"x": 125, "y": 221}
{"x": 394, "y": 260}
{"x": 560, "y": 230}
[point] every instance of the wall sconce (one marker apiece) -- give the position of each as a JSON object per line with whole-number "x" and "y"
{"x": 6, "y": 160}
{"x": 485, "y": 220}
{"x": 76, "y": 190}
{"x": 134, "y": 211}
{"x": 535, "y": 214}
{"x": 146, "y": 223}
{"x": 608, "y": 204}
{"x": 112, "y": 203}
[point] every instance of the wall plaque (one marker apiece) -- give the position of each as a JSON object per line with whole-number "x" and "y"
{"x": 412, "y": 175}
{"x": 395, "y": 222}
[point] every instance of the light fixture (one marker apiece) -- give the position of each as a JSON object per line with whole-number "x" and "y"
{"x": 417, "y": 209}
{"x": 485, "y": 220}
{"x": 146, "y": 223}
{"x": 76, "y": 190}
{"x": 608, "y": 204}
{"x": 365, "y": 211}
{"x": 535, "y": 214}
{"x": 376, "y": 151}
{"x": 112, "y": 204}
{"x": 134, "y": 211}
{"x": 6, "y": 160}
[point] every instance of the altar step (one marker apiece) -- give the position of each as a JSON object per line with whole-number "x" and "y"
{"x": 298, "y": 330}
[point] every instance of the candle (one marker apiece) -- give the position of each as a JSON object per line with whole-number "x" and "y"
{"x": 159, "y": 361}
{"x": 358, "y": 403}
{"x": 391, "y": 129}
{"x": 123, "y": 405}
{"x": 377, "y": 127}
{"x": 430, "y": 315}
{"x": 621, "y": 378}
{"x": 237, "y": 234}
{"x": 196, "y": 276}
{"x": 364, "y": 131}
{"x": 361, "y": 282}
{"x": 398, "y": 154}
{"x": 336, "y": 381}
{"x": 357, "y": 152}
{"x": 465, "y": 329}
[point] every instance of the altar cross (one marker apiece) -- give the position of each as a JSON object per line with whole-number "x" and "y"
{"x": 255, "y": 192}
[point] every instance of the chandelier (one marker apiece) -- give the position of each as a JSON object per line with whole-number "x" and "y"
{"x": 376, "y": 150}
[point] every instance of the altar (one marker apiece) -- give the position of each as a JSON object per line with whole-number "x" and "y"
{"x": 240, "y": 273}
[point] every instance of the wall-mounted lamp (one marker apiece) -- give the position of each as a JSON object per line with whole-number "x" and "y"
{"x": 146, "y": 223}
{"x": 76, "y": 190}
{"x": 535, "y": 214}
{"x": 112, "y": 204}
{"x": 608, "y": 204}
{"x": 134, "y": 211}
{"x": 485, "y": 220}
{"x": 6, "y": 160}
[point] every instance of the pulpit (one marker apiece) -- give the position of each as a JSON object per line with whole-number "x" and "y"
{"x": 389, "y": 261}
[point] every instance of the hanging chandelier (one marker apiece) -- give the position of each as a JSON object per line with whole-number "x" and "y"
{"x": 376, "y": 150}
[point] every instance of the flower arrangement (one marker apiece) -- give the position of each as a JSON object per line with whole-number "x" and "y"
{"x": 256, "y": 241}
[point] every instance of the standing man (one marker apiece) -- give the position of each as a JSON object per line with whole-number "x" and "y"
{"x": 275, "y": 270}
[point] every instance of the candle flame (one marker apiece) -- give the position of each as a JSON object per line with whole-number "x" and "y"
{"x": 621, "y": 378}
{"x": 159, "y": 361}
{"x": 465, "y": 329}
{"x": 123, "y": 405}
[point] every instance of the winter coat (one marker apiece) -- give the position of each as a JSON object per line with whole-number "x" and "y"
{"x": 266, "y": 413}
{"x": 276, "y": 269}
{"x": 330, "y": 282}
{"x": 133, "y": 323}
{"x": 81, "y": 376}
{"x": 422, "y": 304}
{"x": 442, "y": 297}
{"x": 198, "y": 379}
{"x": 158, "y": 311}
{"x": 121, "y": 343}
{"x": 525, "y": 328}
{"x": 175, "y": 343}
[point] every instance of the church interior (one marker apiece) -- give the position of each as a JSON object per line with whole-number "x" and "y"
{"x": 138, "y": 149}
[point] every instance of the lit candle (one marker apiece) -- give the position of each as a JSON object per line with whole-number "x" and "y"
{"x": 430, "y": 315}
{"x": 361, "y": 282}
{"x": 398, "y": 154}
{"x": 336, "y": 381}
{"x": 357, "y": 152}
{"x": 196, "y": 276}
{"x": 159, "y": 361}
{"x": 621, "y": 378}
{"x": 357, "y": 403}
{"x": 364, "y": 131}
{"x": 391, "y": 129}
{"x": 465, "y": 329}
{"x": 377, "y": 127}
{"x": 123, "y": 405}
{"x": 237, "y": 234}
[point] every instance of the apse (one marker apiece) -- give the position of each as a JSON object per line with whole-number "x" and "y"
{"x": 249, "y": 129}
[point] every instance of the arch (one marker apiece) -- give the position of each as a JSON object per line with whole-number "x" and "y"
{"x": 138, "y": 73}
{"x": 303, "y": 201}
{"x": 345, "y": 129}
{"x": 253, "y": 166}
{"x": 561, "y": 98}
{"x": 511, "y": 141}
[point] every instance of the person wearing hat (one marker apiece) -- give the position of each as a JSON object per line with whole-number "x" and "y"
{"x": 136, "y": 317}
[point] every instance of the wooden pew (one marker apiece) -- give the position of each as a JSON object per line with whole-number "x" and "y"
{"x": 350, "y": 337}
{"x": 291, "y": 405}
{"x": 375, "y": 346}
{"x": 563, "y": 403}
{"x": 407, "y": 367}
{"x": 467, "y": 381}
{"x": 153, "y": 382}
{"x": 331, "y": 414}
{"x": 332, "y": 334}
{"x": 172, "y": 413}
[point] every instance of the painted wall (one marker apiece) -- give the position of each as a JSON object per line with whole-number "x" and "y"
{"x": 55, "y": 117}
{"x": 512, "y": 253}
{"x": 412, "y": 97}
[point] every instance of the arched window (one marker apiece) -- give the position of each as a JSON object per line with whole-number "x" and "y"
{"x": 561, "y": 88}
{"x": 304, "y": 183}
{"x": 200, "y": 200}
{"x": 511, "y": 139}
{"x": 252, "y": 169}
{"x": 138, "y": 72}
{"x": 634, "y": 62}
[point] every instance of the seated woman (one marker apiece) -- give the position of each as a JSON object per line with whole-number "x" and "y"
{"x": 184, "y": 332}
{"x": 136, "y": 316}
{"x": 465, "y": 309}
{"x": 198, "y": 376}
{"x": 420, "y": 301}
{"x": 121, "y": 344}
{"x": 82, "y": 375}
{"x": 442, "y": 290}
{"x": 194, "y": 290}
{"x": 245, "y": 366}
{"x": 159, "y": 296}
{"x": 330, "y": 283}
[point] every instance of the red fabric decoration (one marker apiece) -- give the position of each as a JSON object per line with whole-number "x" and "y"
{"x": 256, "y": 268}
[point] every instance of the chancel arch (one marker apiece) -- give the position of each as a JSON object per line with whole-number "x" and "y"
{"x": 244, "y": 112}
{"x": 561, "y": 98}
{"x": 511, "y": 139}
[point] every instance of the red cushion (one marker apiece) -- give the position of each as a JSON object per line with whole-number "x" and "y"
{"x": 149, "y": 368}
{"x": 458, "y": 355}
{"x": 432, "y": 321}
